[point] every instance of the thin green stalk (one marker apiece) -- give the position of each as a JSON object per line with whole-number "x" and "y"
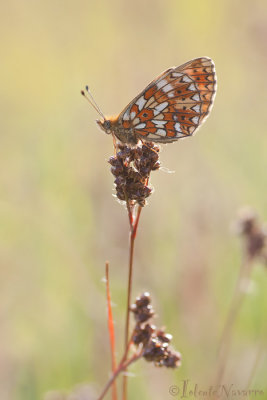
{"x": 237, "y": 300}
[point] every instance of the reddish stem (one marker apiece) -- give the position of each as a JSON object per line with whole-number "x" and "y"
{"x": 111, "y": 332}
{"x": 133, "y": 230}
{"x": 127, "y": 348}
{"x": 121, "y": 368}
{"x": 137, "y": 220}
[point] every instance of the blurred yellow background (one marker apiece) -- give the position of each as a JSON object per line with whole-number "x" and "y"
{"x": 59, "y": 221}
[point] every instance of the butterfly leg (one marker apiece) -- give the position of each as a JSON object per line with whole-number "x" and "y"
{"x": 150, "y": 145}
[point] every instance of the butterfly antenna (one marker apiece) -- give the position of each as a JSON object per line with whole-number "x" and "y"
{"x": 92, "y": 101}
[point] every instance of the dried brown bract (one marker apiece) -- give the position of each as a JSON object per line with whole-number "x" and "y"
{"x": 132, "y": 167}
{"x": 155, "y": 342}
{"x": 142, "y": 308}
{"x": 254, "y": 234}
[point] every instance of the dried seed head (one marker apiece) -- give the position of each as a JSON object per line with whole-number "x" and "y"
{"x": 132, "y": 167}
{"x": 142, "y": 335}
{"x": 158, "y": 351}
{"x": 247, "y": 220}
{"x": 155, "y": 342}
{"x": 142, "y": 308}
{"x": 253, "y": 233}
{"x": 173, "y": 360}
{"x": 163, "y": 336}
{"x": 155, "y": 350}
{"x": 143, "y": 300}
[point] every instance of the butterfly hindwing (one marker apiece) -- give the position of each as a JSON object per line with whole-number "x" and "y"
{"x": 175, "y": 104}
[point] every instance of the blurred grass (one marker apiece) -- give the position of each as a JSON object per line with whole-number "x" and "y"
{"x": 59, "y": 222}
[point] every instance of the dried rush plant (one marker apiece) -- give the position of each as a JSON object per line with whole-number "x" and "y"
{"x": 253, "y": 234}
{"x": 131, "y": 167}
{"x": 171, "y": 107}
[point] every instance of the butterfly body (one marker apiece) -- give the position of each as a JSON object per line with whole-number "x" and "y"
{"x": 171, "y": 107}
{"x": 114, "y": 126}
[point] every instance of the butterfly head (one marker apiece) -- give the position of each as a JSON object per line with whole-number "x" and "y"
{"x": 105, "y": 125}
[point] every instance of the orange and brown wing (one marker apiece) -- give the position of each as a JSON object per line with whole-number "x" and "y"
{"x": 175, "y": 104}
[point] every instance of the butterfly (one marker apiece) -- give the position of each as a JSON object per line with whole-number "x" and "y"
{"x": 171, "y": 107}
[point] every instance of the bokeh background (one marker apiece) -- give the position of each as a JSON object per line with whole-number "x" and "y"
{"x": 60, "y": 223}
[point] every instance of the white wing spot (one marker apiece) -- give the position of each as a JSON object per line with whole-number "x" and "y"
{"x": 196, "y": 108}
{"x": 140, "y": 103}
{"x": 170, "y": 94}
{"x": 133, "y": 114}
{"x": 136, "y": 121}
{"x": 196, "y": 97}
{"x": 186, "y": 79}
{"x": 126, "y": 116}
{"x": 159, "y": 123}
{"x": 177, "y": 127}
{"x": 192, "y": 87}
{"x": 150, "y": 101}
{"x": 195, "y": 120}
{"x": 160, "y": 107}
{"x": 140, "y": 126}
{"x": 176, "y": 74}
{"x": 175, "y": 117}
{"x": 161, "y": 83}
{"x": 167, "y": 88}
{"x": 161, "y": 132}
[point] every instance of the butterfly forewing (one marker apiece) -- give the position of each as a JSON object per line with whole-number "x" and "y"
{"x": 175, "y": 104}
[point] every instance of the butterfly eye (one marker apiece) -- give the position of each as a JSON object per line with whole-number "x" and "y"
{"x": 107, "y": 126}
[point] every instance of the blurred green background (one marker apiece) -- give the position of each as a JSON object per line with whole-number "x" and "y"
{"x": 59, "y": 221}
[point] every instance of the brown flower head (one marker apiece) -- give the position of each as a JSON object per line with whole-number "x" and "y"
{"x": 132, "y": 167}
{"x": 155, "y": 342}
{"x": 142, "y": 308}
{"x": 253, "y": 233}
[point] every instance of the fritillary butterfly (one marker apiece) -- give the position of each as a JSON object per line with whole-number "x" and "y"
{"x": 172, "y": 106}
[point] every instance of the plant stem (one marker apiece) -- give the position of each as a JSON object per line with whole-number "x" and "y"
{"x": 129, "y": 291}
{"x": 111, "y": 332}
{"x": 120, "y": 368}
{"x": 238, "y": 297}
{"x": 261, "y": 353}
{"x": 127, "y": 349}
{"x": 133, "y": 230}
